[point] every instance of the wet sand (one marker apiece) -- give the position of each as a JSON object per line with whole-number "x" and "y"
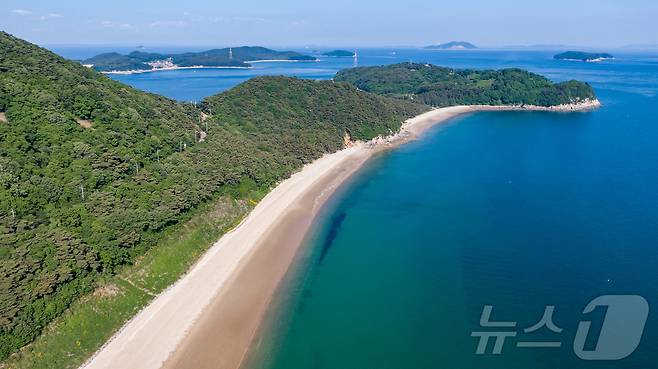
{"x": 222, "y": 336}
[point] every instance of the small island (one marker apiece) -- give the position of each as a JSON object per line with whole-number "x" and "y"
{"x": 453, "y": 45}
{"x": 339, "y": 54}
{"x": 583, "y": 56}
{"x": 232, "y": 57}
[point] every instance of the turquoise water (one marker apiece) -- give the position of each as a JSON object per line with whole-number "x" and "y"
{"x": 514, "y": 210}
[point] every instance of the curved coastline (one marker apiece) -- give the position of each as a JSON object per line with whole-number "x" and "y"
{"x": 210, "y": 317}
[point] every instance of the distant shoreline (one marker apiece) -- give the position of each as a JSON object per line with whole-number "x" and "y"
{"x": 596, "y": 60}
{"x": 282, "y": 61}
{"x": 139, "y": 71}
{"x": 211, "y": 316}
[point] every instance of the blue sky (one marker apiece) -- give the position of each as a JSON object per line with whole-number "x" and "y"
{"x": 593, "y": 23}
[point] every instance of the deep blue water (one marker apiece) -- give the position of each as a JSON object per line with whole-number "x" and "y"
{"x": 516, "y": 210}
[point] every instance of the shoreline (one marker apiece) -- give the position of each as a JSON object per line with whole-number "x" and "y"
{"x": 282, "y": 61}
{"x": 210, "y": 316}
{"x": 140, "y": 71}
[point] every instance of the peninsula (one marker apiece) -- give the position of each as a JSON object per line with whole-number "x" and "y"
{"x": 237, "y": 57}
{"x": 583, "y": 56}
{"x": 439, "y": 86}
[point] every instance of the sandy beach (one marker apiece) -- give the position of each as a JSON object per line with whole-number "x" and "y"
{"x": 208, "y": 319}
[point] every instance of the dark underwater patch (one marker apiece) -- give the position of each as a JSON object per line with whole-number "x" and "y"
{"x": 334, "y": 227}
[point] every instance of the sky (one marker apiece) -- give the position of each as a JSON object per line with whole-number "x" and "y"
{"x": 493, "y": 23}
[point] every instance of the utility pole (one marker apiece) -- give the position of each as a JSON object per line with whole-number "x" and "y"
{"x": 137, "y": 168}
{"x": 13, "y": 213}
{"x": 157, "y": 154}
{"x": 82, "y": 192}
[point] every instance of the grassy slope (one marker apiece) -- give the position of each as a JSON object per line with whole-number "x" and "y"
{"x": 56, "y": 246}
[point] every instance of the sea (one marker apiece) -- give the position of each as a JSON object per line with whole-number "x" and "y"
{"x": 498, "y": 240}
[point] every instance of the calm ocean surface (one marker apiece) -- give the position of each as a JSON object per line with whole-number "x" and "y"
{"x": 516, "y": 210}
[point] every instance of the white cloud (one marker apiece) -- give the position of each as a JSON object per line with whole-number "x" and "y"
{"x": 21, "y": 12}
{"x": 51, "y": 16}
{"x": 168, "y": 24}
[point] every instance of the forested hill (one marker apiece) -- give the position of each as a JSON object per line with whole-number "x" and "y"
{"x": 93, "y": 172}
{"x": 227, "y": 57}
{"x": 439, "y": 86}
{"x": 583, "y": 56}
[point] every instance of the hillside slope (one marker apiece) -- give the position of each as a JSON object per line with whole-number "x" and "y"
{"x": 93, "y": 172}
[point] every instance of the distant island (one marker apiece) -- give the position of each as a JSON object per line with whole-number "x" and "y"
{"x": 340, "y": 54}
{"x": 237, "y": 57}
{"x": 440, "y": 86}
{"x": 453, "y": 45}
{"x": 583, "y": 56}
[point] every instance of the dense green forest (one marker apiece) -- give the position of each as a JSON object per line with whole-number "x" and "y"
{"x": 92, "y": 171}
{"x": 234, "y": 57}
{"x": 439, "y": 86}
